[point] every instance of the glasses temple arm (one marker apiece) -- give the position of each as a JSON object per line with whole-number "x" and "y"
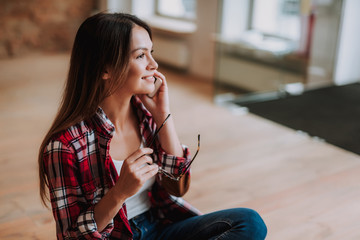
{"x": 158, "y": 130}
{"x": 193, "y": 158}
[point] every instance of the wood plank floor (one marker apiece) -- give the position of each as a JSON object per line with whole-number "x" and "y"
{"x": 304, "y": 189}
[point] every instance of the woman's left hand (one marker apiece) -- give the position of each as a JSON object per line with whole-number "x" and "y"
{"x": 158, "y": 105}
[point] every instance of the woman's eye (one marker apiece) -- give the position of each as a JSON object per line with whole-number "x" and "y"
{"x": 140, "y": 56}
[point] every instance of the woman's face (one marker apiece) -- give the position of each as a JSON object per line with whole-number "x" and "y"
{"x": 142, "y": 65}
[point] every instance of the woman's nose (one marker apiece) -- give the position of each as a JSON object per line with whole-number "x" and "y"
{"x": 153, "y": 65}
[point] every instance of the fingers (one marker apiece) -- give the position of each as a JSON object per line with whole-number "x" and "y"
{"x": 161, "y": 76}
{"x": 138, "y": 154}
{"x": 145, "y": 167}
{"x": 151, "y": 170}
{"x": 141, "y": 162}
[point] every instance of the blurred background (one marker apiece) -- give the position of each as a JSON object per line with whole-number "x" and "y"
{"x": 276, "y": 42}
{"x": 250, "y": 75}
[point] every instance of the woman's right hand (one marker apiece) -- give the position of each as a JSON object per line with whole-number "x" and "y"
{"x": 135, "y": 171}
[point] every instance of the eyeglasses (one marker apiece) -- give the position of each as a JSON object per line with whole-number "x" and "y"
{"x": 182, "y": 170}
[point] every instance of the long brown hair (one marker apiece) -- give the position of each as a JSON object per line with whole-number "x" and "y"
{"x": 102, "y": 42}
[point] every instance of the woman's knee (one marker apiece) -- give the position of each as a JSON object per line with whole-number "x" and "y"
{"x": 253, "y": 224}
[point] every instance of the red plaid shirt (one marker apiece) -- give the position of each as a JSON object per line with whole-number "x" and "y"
{"x": 80, "y": 171}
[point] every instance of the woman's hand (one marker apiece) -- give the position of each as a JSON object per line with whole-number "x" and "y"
{"x": 158, "y": 105}
{"x": 160, "y": 108}
{"x": 135, "y": 171}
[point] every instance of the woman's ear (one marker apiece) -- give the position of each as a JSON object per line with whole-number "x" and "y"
{"x": 106, "y": 75}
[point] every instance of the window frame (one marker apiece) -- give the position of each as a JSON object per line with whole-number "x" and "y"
{"x": 250, "y": 22}
{"x": 187, "y": 19}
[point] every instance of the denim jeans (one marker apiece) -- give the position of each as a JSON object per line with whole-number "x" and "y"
{"x": 237, "y": 223}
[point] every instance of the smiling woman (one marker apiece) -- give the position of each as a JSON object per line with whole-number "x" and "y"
{"x": 105, "y": 162}
{"x": 142, "y": 66}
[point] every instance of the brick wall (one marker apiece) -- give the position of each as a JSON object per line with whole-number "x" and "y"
{"x": 28, "y": 26}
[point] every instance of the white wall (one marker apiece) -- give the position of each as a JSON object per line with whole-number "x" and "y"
{"x": 116, "y": 5}
{"x": 201, "y": 42}
{"x": 347, "y": 68}
{"x": 324, "y": 43}
{"x": 234, "y": 22}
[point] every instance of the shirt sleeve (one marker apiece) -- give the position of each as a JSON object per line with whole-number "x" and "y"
{"x": 74, "y": 215}
{"x": 174, "y": 164}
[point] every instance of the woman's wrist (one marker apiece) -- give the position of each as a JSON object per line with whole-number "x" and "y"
{"x": 107, "y": 207}
{"x": 118, "y": 195}
{"x": 159, "y": 118}
{"x": 168, "y": 138}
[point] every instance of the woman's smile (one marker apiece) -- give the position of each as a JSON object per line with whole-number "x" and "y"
{"x": 149, "y": 78}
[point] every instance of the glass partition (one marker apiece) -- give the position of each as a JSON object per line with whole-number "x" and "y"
{"x": 262, "y": 49}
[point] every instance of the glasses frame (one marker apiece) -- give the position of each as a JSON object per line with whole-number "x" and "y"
{"x": 163, "y": 171}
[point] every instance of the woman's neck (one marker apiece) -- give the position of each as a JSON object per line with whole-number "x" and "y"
{"x": 126, "y": 139}
{"x": 118, "y": 110}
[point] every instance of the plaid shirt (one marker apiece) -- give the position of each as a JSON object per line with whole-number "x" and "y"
{"x": 80, "y": 172}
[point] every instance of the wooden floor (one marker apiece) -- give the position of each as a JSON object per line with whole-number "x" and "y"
{"x": 304, "y": 189}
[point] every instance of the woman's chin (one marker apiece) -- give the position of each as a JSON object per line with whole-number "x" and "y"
{"x": 145, "y": 92}
{"x": 149, "y": 90}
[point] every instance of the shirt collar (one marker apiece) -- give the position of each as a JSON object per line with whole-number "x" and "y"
{"x": 106, "y": 125}
{"x": 104, "y": 122}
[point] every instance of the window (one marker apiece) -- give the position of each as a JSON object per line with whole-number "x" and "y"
{"x": 276, "y": 17}
{"x": 184, "y": 9}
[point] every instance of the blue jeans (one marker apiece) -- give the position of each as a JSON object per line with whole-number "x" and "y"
{"x": 237, "y": 223}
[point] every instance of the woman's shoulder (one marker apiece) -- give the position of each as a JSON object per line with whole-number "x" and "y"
{"x": 73, "y": 133}
{"x": 74, "y": 142}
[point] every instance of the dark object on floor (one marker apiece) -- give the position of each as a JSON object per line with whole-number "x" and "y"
{"x": 331, "y": 113}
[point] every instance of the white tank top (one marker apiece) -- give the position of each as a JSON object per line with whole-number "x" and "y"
{"x": 140, "y": 202}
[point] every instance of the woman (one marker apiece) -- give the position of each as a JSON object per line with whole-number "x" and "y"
{"x": 103, "y": 162}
